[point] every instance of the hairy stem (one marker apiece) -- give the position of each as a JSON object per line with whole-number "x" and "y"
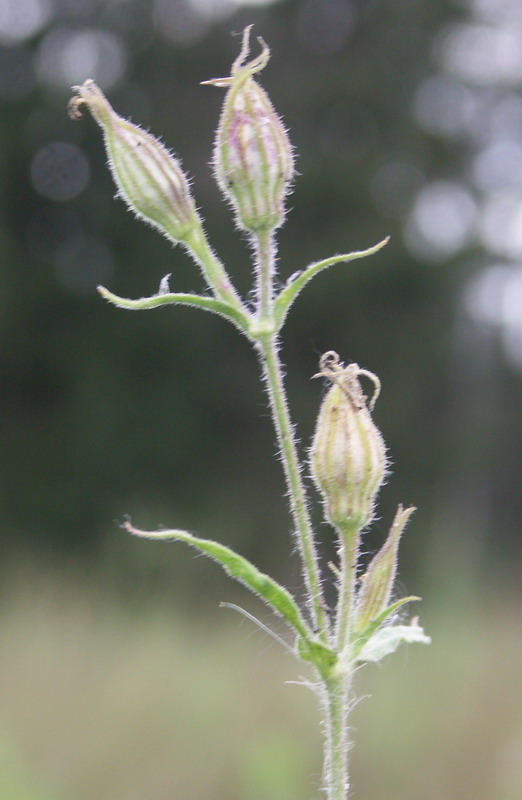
{"x": 336, "y": 688}
{"x": 265, "y": 262}
{"x": 267, "y": 344}
{"x": 285, "y": 435}
{"x": 335, "y": 771}
{"x": 349, "y": 555}
{"x": 213, "y": 270}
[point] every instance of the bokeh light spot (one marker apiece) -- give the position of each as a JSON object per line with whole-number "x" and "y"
{"x": 21, "y": 19}
{"x": 69, "y": 56}
{"x": 60, "y": 171}
{"x": 442, "y": 220}
{"x": 512, "y": 318}
{"x": 496, "y": 10}
{"x": 185, "y": 22}
{"x": 445, "y": 106}
{"x": 493, "y": 297}
{"x": 484, "y": 294}
{"x": 483, "y": 54}
{"x": 504, "y": 117}
{"x": 500, "y": 224}
{"x": 499, "y": 164}
{"x": 179, "y": 22}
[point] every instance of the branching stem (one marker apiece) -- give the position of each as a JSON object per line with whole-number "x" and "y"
{"x": 335, "y": 686}
{"x": 268, "y": 348}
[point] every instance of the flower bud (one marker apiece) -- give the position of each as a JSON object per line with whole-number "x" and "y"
{"x": 148, "y": 177}
{"x": 348, "y": 455}
{"x": 253, "y": 160}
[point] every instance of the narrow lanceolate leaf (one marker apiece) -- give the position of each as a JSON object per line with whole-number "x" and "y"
{"x": 295, "y": 285}
{"x": 220, "y": 307}
{"x": 377, "y": 584}
{"x": 275, "y": 595}
{"x": 387, "y": 640}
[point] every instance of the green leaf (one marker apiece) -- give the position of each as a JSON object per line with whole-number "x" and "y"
{"x": 238, "y": 567}
{"x": 289, "y": 293}
{"x": 387, "y": 640}
{"x": 224, "y": 309}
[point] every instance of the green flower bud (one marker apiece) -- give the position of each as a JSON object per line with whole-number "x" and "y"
{"x": 253, "y": 160}
{"x": 348, "y": 455}
{"x": 148, "y": 177}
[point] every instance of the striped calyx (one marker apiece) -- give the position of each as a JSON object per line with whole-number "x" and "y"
{"x": 149, "y": 179}
{"x": 348, "y": 455}
{"x": 253, "y": 160}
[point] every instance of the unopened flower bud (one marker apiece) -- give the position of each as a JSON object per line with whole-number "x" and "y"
{"x": 149, "y": 179}
{"x": 253, "y": 160}
{"x": 348, "y": 455}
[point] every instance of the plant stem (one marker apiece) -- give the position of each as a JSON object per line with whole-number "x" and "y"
{"x": 266, "y": 340}
{"x": 336, "y": 688}
{"x": 349, "y": 555}
{"x": 264, "y": 245}
{"x": 272, "y": 371}
{"x": 335, "y": 772}
{"x": 213, "y": 270}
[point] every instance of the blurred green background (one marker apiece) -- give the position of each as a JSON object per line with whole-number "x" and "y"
{"x": 120, "y": 677}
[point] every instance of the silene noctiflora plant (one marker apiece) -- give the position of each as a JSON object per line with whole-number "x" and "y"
{"x": 254, "y": 167}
